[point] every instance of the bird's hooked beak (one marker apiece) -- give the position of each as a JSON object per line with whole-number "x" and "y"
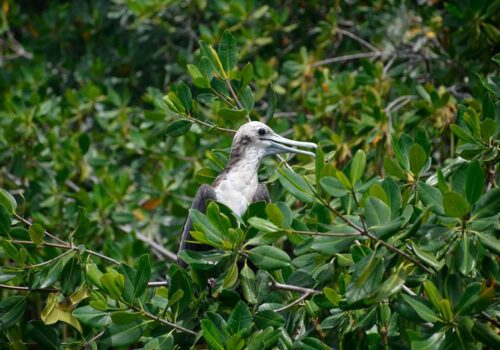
{"x": 279, "y": 144}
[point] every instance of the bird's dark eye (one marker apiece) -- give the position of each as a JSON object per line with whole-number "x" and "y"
{"x": 262, "y": 132}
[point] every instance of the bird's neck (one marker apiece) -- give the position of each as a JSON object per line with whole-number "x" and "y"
{"x": 237, "y": 184}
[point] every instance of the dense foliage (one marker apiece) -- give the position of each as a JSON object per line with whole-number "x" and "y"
{"x": 112, "y": 113}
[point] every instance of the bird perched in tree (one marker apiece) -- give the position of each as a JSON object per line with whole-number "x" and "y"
{"x": 238, "y": 186}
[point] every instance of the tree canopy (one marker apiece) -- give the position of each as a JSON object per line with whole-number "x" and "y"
{"x": 113, "y": 113}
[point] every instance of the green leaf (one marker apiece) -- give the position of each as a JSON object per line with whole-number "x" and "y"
{"x": 296, "y": 185}
{"x": 8, "y": 201}
{"x": 366, "y": 278}
{"x": 275, "y": 214}
{"x": 5, "y": 221}
{"x": 92, "y": 317}
{"x": 465, "y": 256}
{"x": 247, "y": 98}
{"x": 125, "y": 317}
{"x": 263, "y": 225}
{"x": 43, "y": 335}
{"x": 269, "y": 258}
{"x": 123, "y": 334}
{"x": 83, "y": 224}
{"x": 358, "y": 165}
{"x": 71, "y": 276}
{"x": 142, "y": 276}
{"x": 433, "y": 293}
{"x": 488, "y": 205}
{"x": 228, "y": 51}
{"x": 214, "y": 59}
{"x": 240, "y": 318}
{"x": 489, "y": 242}
{"x": 417, "y": 158}
{"x": 212, "y": 335}
{"x": 36, "y": 232}
{"x": 246, "y": 75}
{"x": 248, "y": 284}
{"x": 333, "y": 186}
{"x": 463, "y": 134}
{"x": 55, "y": 269}
{"x": 178, "y": 128}
{"x": 432, "y": 343}
{"x": 113, "y": 283}
{"x": 164, "y": 342}
{"x": 268, "y": 318}
{"x": 232, "y": 114}
{"x": 231, "y": 276}
{"x": 184, "y": 94}
{"x": 377, "y": 213}
{"x": 179, "y": 281}
{"x": 486, "y": 335}
{"x": 393, "y": 169}
{"x": 198, "y": 79}
{"x": 431, "y": 197}
{"x": 11, "y": 310}
{"x": 427, "y": 257}
{"x": 271, "y": 103}
{"x": 421, "y": 309}
{"x": 343, "y": 179}
{"x": 455, "y": 205}
{"x": 423, "y": 93}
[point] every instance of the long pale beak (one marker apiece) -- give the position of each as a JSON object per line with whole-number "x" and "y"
{"x": 279, "y": 145}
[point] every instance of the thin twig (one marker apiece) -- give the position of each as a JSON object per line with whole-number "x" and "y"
{"x": 209, "y": 125}
{"x": 167, "y": 323}
{"x": 233, "y": 94}
{"x": 67, "y": 246}
{"x": 347, "y": 58}
{"x": 375, "y": 238}
{"x": 276, "y": 285}
{"x": 156, "y": 246}
{"x": 358, "y": 39}
{"x": 27, "y": 222}
{"x": 303, "y": 297}
{"x": 327, "y": 234}
{"x": 28, "y": 289}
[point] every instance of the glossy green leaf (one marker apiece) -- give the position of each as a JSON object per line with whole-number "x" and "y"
{"x": 417, "y": 158}
{"x": 7, "y": 201}
{"x": 92, "y": 317}
{"x": 36, "y": 232}
{"x": 228, "y": 51}
{"x": 269, "y": 257}
{"x": 142, "y": 276}
{"x": 358, "y": 165}
{"x": 123, "y": 334}
{"x": 296, "y": 185}
{"x": 11, "y": 310}
{"x": 178, "y": 128}
{"x": 240, "y": 318}
{"x": 455, "y": 205}
{"x": 421, "y": 309}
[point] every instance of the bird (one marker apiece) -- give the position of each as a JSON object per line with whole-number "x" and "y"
{"x": 237, "y": 186}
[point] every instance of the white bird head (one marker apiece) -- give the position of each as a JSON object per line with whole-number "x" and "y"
{"x": 256, "y": 139}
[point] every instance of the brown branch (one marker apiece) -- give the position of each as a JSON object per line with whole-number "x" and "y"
{"x": 28, "y": 289}
{"x": 276, "y": 285}
{"x": 70, "y": 247}
{"x": 158, "y": 319}
{"x": 302, "y": 298}
{"x": 375, "y": 238}
{"x": 358, "y": 39}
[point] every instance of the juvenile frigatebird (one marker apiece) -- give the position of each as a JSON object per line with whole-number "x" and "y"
{"x": 238, "y": 186}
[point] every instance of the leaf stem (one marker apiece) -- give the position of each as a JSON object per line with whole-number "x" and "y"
{"x": 165, "y": 322}
{"x": 373, "y": 237}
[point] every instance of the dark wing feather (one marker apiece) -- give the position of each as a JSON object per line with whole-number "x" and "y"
{"x": 262, "y": 194}
{"x": 204, "y": 195}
